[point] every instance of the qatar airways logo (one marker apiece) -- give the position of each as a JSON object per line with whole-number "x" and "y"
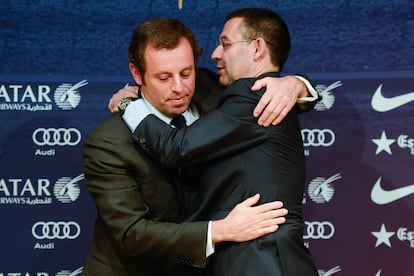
{"x": 19, "y": 97}
{"x": 329, "y": 272}
{"x": 328, "y": 98}
{"x": 321, "y": 189}
{"x": 19, "y": 191}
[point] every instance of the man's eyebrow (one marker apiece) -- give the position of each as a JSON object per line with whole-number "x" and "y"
{"x": 162, "y": 73}
{"x": 188, "y": 68}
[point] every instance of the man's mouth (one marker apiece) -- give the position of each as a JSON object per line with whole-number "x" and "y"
{"x": 178, "y": 101}
{"x": 220, "y": 70}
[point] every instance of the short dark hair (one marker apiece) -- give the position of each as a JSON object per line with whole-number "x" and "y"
{"x": 265, "y": 23}
{"x": 160, "y": 33}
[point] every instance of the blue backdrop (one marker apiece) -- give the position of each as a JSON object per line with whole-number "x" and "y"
{"x": 359, "y": 141}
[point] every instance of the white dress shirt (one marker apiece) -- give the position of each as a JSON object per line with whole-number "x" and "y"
{"x": 137, "y": 110}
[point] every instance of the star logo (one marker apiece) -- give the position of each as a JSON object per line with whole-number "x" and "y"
{"x": 383, "y": 236}
{"x": 383, "y": 144}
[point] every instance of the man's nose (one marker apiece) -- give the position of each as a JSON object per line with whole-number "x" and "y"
{"x": 217, "y": 53}
{"x": 177, "y": 85}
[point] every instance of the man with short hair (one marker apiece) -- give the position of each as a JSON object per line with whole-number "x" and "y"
{"x": 140, "y": 228}
{"x": 238, "y": 157}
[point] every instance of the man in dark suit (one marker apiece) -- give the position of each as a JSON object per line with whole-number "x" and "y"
{"x": 238, "y": 157}
{"x": 139, "y": 202}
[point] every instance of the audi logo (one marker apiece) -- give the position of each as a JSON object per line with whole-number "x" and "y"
{"x": 318, "y": 137}
{"x": 318, "y": 230}
{"x": 56, "y": 230}
{"x": 56, "y": 136}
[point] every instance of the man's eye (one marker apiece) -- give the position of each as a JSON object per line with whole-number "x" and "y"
{"x": 186, "y": 74}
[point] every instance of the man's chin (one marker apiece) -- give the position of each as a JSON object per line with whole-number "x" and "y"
{"x": 177, "y": 110}
{"x": 224, "y": 81}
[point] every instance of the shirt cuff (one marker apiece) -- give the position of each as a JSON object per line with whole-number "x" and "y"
{"x": 209, "y": 246}
{"x": 314, "y": 94}
{"x": 135, "y": 112}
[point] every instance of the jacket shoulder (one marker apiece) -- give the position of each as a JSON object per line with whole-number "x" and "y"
{"x": 207, "y": 89}
{"x": 113, "y": 128}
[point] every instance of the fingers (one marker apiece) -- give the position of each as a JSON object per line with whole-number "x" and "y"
{"x": 272, "y": 115}
{"x": 272, "y": 109}
{"x": 271, "y": 217}
{"x": 259, "y": 84}
{"x": 271, "y": 224}
{"x": 250, "y": 201}
{"x": 264, "y": 230}
{"x": 245, "y": 222}
{"x": 278, "y": 100}
{"x": 129, "y": 91}
{"x": 274, "y": 205}
{"x": 276, "y": 117}
{"x": 264, "y": 100}
{"x": 267, "y": 230}
{"x": 278, "y": 214}
{"x": 113, "y": 104}
{"x": 261, "y": 105}
{"x": 259, "y": 228}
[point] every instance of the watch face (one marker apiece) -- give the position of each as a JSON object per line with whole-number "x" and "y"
{"x": 123, "y": 104}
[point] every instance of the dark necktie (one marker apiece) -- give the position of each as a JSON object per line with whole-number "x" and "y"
{"x": 188, "y": 176}
{"x": 178, "y": 121}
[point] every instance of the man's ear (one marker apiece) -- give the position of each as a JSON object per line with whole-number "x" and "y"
{"x": 135, "y": 74}
{"x": 261, "y": 48}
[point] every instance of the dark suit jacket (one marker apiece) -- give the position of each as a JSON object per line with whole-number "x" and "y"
{"x": 239, "y": 159}
{"x": 139, "y": 204}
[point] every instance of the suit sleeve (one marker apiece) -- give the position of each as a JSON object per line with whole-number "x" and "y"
{"x": 126, "y": 217}
{"x": 226, "y": 130}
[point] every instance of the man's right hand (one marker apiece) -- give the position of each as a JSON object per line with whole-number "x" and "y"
{"x": 247, "y": 222}
{"x": 129, "y": 91}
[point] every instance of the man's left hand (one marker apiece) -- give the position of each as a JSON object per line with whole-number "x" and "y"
{"x": 280, "y": 97}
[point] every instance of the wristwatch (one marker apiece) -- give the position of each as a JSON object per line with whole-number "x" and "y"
{"x": 124, "y": 103}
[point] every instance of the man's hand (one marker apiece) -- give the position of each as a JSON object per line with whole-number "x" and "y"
{"x": 247, "y": 222}
{"x": 280, "y": 96}
{"x": 128, "y": 91}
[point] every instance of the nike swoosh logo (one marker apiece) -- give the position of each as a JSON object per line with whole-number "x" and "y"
{"x": 381, "y": 196}
{"x": 382, "y": 104}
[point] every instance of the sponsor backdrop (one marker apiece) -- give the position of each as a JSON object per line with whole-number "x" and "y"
{"x": 62, "y": 60}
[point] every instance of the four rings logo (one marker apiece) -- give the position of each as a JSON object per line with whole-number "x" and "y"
{"x": 56, "y": 230}
{"x": 56, "y": 136}
{"x": 318, "y": 230}
{"x": 318, "y": 137}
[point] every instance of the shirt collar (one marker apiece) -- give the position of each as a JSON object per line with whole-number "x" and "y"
{"x": 190, "y": 115}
